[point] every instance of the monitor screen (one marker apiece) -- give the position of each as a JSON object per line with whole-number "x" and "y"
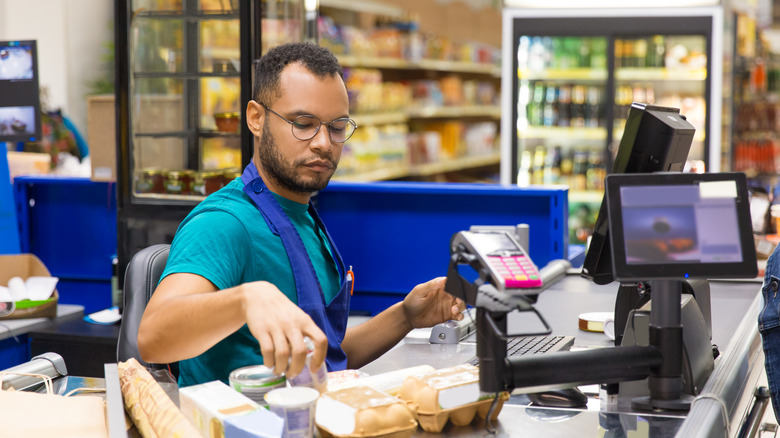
{"x": 676, "y": 225}
{"x": 20, "y": 106}
{"x": 655, "y": 139}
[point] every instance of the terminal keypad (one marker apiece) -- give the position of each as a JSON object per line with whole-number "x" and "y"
{"x": 518, "y": 271}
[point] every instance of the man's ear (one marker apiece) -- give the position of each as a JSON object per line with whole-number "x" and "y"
{"x": 255, "y": 117}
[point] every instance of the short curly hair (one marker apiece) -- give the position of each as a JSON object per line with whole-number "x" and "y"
{"x": 318, "y": 60}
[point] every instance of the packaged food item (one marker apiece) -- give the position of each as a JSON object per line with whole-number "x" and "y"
{"x": 361, "y": 412}
{"x": 389, "y": 382}
{"x": 296, "y": 406}
{"x": 150, "y": 408}
{"x": 220, "y": 412}
{"x": 449, "y": 394}
{"x": 313, "y": 379}
{"x": 255, "y": 381}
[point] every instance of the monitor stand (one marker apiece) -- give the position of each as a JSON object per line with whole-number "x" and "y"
{"x": 665, "y": 382}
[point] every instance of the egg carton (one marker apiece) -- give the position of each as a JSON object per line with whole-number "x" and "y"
{"x": 461, "y": 416}
{"x": 363, "y": 412}
{"x": 449, "y": 394}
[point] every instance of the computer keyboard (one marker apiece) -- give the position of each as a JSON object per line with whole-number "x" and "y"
{"x": 522, "y": 345}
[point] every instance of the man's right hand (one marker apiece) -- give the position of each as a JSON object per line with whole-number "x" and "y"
{"x": 280, "y": 325}
{"x": 187, "y": 315}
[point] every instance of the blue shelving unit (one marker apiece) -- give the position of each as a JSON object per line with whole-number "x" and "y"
{"x": 70, "y": 224}
{"x": 396, "y": 234}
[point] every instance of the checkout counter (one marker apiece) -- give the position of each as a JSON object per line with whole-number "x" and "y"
{"x": 726, "y": 398}
{"x": 722, "y": 410}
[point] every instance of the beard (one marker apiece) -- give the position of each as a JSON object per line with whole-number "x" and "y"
{"x": 283, "y": 173}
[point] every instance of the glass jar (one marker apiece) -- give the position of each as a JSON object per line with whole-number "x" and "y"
{"x": 174, "y": 184}
{"x": 230, "y": 174}
{"x": 150, "y": 180}
{"x": 198, "y": 186}
{"x": 212, "y": 181}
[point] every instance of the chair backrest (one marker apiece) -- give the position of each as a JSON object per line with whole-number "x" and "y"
{"x": 141, "y": 278}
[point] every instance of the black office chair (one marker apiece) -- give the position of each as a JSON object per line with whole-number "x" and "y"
{"x": 141, "y": 278}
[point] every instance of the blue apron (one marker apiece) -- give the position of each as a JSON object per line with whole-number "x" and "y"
{"x": 331, "y": 319}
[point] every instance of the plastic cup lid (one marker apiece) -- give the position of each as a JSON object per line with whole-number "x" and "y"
{"x": 292, "y": 397}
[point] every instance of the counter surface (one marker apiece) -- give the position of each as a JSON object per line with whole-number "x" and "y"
{"x": 560, "y": 306}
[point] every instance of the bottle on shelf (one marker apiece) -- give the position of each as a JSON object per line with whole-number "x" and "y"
{"x": 550, "y": 107}
{"x": 536, "y": 106}
{"x": 524, "y": 172}
{"x": 552, "y": 167}
{"x": 564, "y": 105}
{"x": 592, "y": 108}
{"x": 656, "y": 50}
{"x": 578, "y": 105}
{"x": 537, "y": 171}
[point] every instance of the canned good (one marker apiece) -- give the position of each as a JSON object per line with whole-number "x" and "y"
{"x": 150, "y": 180}
{"x": 255, "y": 381}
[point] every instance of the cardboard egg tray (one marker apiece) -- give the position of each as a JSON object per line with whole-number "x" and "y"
{"x": 461, "y": 416}
{"x": 363, "y": 412}
{"x": 450, "y": 394}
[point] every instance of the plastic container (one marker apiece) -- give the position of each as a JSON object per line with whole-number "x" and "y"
{"x": 296, "y": 405}
{"x": 256, "y": 381}
{"x": 318, "y": 379}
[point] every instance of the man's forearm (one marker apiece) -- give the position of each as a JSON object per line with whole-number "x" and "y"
{"x": 367, "y": 341}
{"x": 184, "y": 326}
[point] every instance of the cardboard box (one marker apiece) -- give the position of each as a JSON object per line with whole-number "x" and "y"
{"x": 219, "y": 411}
{"x": 28, "y": 163}
{"x": 101, "y": 136}
{"x": 24, "y": 266}
{"x": 155, "y": 114}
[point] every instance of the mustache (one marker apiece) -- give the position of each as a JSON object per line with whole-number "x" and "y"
{"x": 307, "y": 160}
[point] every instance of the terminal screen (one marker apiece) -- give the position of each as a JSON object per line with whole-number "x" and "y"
{"x": 489, "y": 242}
{"x": 681, "y": 224}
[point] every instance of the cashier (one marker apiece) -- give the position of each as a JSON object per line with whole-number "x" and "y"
{"x": 252, "y": 269}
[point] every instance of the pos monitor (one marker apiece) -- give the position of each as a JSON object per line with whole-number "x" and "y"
{"x": 655, "y": 139}
{"x": 20, "y": 106}
{"x": 680, "y": 225}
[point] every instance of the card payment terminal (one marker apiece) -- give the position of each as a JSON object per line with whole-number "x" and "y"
{"x": 508, "y": 264}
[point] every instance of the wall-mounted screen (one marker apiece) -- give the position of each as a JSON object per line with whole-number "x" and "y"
{"x": 20, "y": 107}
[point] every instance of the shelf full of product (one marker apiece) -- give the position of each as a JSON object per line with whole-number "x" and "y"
{"x": 424, "y": 105}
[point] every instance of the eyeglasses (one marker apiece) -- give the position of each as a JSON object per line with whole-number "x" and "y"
{"x": 305, "y": 127}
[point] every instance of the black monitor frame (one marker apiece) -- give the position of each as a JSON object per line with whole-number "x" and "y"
{"x": 655, "y": 139}
{"x": 628, "y": 270}
{"x": 20, "y": 105}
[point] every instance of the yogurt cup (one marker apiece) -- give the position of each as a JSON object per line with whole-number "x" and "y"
{"x": 296, "y": 405}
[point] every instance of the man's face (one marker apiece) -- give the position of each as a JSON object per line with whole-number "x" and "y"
{"x": 302, "y": 166}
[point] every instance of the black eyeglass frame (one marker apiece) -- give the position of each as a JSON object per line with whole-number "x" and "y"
{"x": 317, "y": 130}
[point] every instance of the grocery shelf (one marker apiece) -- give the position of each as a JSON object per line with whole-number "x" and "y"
{"x": 427, "y": 169}
{"x": 454, "y": 165}
{"x": 569, "y": 74}
{"x": 559, "y": 132}
{"x": 424, "y": 64}
{"x": 586, "y": 196}
{"x": 427, "y": 112}
{"x": 660, "y": 74}
{"x": 364, "y": 6}
{"x": 493, "y": 111}
{"x": 373, "y": 119}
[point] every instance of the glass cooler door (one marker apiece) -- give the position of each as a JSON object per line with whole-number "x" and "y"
{"x": 184, "y": 75}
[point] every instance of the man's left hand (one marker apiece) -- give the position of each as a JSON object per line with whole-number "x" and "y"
{"x": 428, "y": 304}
